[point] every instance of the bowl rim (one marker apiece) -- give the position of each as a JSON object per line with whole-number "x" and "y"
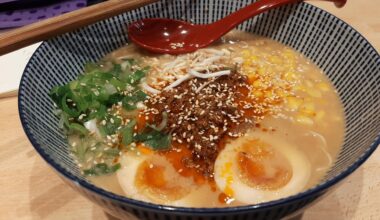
{"x": 315, "y": 191}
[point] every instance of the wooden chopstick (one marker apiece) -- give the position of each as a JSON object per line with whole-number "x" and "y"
{"x": 48, "y": 28}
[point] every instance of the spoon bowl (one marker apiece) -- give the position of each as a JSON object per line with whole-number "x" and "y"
{"x": 170, "y": 36}
{"x": 162, "y": 35}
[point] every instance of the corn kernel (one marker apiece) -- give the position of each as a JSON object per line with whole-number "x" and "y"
{"x": 308, "y": 112}
{"x": 319, "y": 116}
{"x": 293, "y": 103}
{"x": 280, "y": 93}
{"x": 323, "y": 86}
{"x": 253, "y": 58}
{"x": 257, "y": 93}
{"x": 270, "y": 94}
{"x": 257, "y": 84}
{"x": 261, "y": 70}
{"x": 308, "y": 106}
{"x": 302, "y": 119}
{"x": 252, "y": 78}
{"x": 246, "y": 63}
{"x": 246, "y": 53}
{"x": 307, "y": 99}
{"x": 314, "y": 93}
{"x": 299, "y": 88}
{"x": 289, "y": 76}
{"x": 309, "y": 83}
{"x": 275, "y": 60}
{"x": 290, "y": 66}
{"x": 288, "y": 53}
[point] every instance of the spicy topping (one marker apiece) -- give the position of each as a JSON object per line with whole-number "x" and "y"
{"x": 202, "y": 112}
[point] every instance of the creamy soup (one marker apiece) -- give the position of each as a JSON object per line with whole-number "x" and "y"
{"x": 244, "y": 121}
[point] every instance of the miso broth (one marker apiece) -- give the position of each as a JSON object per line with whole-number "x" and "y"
{"x": 244, "y": 121}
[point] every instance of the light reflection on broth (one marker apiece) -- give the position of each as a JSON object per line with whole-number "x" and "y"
{"x": 304, "y": 116}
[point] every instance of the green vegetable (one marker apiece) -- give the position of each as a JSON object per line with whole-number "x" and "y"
{"x": 102, "y": 131}
{"x": 155, "y": 139}
{"x": 137, "y": 76}
{"x": 97, "y": 90}
{"x": 71, "y": 111}
{"x": 117, "y": 83}
{"x": 130, "y": 61}
{"x": 57, "y": 93}
{"x": 111, "y": 126}
{"x": 115, "y": 98}
{"x": 78, "y": 128}
{"x": 127, "y": 133}
{"x": 80, "y": 151}
{"x": 99, "y": 113}
{"x": 91, "y": 97}
{"x": 101, "y": 169}
{"x": 90, "y": 66}
{"x": 113, "y": 152}
{"x": 129, "y": 102}
{"x": 116, "y": 70}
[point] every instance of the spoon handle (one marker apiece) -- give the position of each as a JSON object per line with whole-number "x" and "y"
{"x": 48, "y": 28}
{"x": 228, "y": 23}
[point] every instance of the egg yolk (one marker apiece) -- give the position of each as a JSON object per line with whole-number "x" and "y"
{"x": 155, "y": 180}
{"x": 260, "y": 166}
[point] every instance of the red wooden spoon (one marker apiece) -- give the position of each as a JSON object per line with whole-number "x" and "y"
{"x": 162, "y": 35}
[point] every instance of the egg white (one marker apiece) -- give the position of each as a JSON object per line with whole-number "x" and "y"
{"x": 126, "y": 175}
{"x": 242, "y": 192}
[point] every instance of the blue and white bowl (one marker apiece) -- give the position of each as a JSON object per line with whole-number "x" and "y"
{"x": 350, "y": 62}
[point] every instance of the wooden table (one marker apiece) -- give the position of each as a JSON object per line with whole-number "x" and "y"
{"x": 29, "y": 189}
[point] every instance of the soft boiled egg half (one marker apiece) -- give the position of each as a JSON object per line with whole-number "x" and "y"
{"x": 258, "y": 168}
{"x": 152, "y": 178}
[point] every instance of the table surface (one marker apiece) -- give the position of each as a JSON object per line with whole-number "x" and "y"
{"x": 29, "y": 188}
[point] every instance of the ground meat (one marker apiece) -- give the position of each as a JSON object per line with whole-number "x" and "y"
{"x": 201, "y": 113}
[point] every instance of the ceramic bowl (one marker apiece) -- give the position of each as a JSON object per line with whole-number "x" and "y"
{"x": 350, "y": 62}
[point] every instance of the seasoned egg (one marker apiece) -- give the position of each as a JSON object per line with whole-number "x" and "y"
{"x": 151, "y": 178}
{"x": 258, "y": 168}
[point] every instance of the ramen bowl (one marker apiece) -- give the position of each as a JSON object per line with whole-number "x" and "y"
{"x": 349, "y": 61}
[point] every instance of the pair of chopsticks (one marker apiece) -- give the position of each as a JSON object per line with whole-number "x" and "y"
{"x": 51, "y": 27}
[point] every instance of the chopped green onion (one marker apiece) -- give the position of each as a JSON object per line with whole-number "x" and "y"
{"x": 90, "y": 66}
{"x": 155, "y": 139}
{"x": 111, "y": 125}
{"x": 70, "y": 111}
{"x": 113, "y": 152}
{"x": 91, "y": 97}
{"x": 116, "y": 70}
{"x": 129, "y": 102}
{"x": 78, "y": 128}
{"x": 101, "y": 169}
{"x": 136, "y": 76}
{"x": 117, "y": 83}
{"x": 127, "y": 133}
